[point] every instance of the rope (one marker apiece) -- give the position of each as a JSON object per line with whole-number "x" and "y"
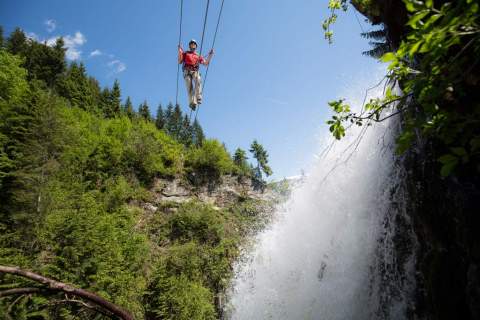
{"x": 213, "y": 46}
{"x": 358, "y": 20}
{"x": 204, "y": 26}
{"x": 179, "y": 43}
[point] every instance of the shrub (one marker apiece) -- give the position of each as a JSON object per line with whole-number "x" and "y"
{"x": 209, "y": 162}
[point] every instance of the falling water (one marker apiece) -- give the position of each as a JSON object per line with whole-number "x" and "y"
{"x": 331, "y": 251}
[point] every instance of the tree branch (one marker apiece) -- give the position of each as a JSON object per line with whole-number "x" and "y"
{"x": 60, "y": 286}
{"x": 370, "y": 116}
{"x": 15, "y": 291}
{"x": 82, "y": 303}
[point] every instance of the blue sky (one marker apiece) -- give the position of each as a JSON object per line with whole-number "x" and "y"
{"x": 271, "y": 77}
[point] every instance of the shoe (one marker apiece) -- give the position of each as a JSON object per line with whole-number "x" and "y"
{"x": 193, "y": 106}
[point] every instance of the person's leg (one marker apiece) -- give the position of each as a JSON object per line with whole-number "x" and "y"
{"x": 190, "y": 89}
{"x": 198, "y": 87}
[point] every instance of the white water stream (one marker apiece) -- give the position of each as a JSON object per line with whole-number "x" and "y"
{"x": 329, "y": 253}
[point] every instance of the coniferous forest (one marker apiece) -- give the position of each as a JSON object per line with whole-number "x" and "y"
{"x": 76, "y": 163}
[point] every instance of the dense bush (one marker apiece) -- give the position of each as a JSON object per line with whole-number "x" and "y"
{"x": 208, "y": 162}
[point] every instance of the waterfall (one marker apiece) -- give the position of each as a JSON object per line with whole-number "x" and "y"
{"x": 342, "y": 246}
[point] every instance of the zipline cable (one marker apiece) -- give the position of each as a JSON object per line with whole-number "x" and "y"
{"x": 179, "y": 43}
{"x": 204, "y": 26}
{"x": 213, "y": 46}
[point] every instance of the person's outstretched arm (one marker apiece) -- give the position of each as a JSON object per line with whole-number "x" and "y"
{"x": 210, "y": 55}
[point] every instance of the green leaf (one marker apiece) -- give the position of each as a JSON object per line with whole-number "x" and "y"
{"x": 387, "y": 57}
{"x": 459, "y": 151}
{"x": 415, "y": 19}
{"x": 448, "y": 166}
{"x": 447, "y": 158}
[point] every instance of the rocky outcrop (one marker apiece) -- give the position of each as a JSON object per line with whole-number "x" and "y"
{"x": 228, "y": 192}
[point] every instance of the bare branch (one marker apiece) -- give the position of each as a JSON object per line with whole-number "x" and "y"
{"x": 82, "y": 303}
{"x": 60, "y": 286}
{"x": 15, "y": 291}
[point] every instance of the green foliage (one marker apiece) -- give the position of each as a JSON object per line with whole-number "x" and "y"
{"x": 196, "y": 265}
{"x": 198, "y": 137}
{"x": 196, "y": 223}
{"x": 74, "y": 165}
{"x": 102, "y": 147}
{"x": 379, "y": 47}
{"x": 434, "y": 65}
{"x": 78, "y": 89}
{"x": 333, "y": 6}
{"x": 160, "y": 118}
{"x": 45, "y": 63}
{"x": 242, "y": 168}
{"x": 181, "y": 299}
{"x": 208, "y": 162}
{"x": 1, "y": 37}
{"x": 261, "y": 155}
{"x": 17, "y": 42}
{"x": 144, "y": 111}
{"x": 115, "y": 106}
{"x": 128, "y": 110}
{"x": 94, "y": 249}
{"x": 13, "y": 79}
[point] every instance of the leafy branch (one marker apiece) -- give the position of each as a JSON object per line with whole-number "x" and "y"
{"x": 434, "y": 65}
{"x": 333, "y": 6}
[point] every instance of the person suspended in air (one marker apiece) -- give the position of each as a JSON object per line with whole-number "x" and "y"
{"x": 191, "y": 61}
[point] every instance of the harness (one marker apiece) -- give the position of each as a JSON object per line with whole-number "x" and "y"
{"x": 191, "y": 67}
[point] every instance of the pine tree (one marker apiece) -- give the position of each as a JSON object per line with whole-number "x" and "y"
{"x": 115, "y": 100}
{"x": 95, "y": 93}
{"x": 129, "y": 109}
{"x": 186, "y": 132}
{"x": 168, "y": 117}
{"x": 58, "y": 57}
{"x": 1, "y": 37}
{"x": 105, "y": 96}
{"x": 77, "y": 88}
{"x": 144, "y": 111}
{"x": 17, "y": 42}
{"x": 261, "y": 155}
{"x": 160, "y": 119}
{"x": 176, "y": 123}
{"x": 197, "y": 134}
{"x": 240, "y": 157}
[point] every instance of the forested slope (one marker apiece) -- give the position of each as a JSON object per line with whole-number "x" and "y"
{"x": 76, "y": 166}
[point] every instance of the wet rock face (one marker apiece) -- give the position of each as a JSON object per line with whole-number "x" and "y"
{"x": 446, "y": 219}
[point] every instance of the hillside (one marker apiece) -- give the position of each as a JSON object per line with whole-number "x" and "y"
{"x": 145, "y": 212}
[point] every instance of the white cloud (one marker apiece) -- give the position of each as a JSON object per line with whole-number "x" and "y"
{"x": 32, "y": 35}
{"x": 95, "y": 53}
{"x": 117, "y": 66}
{"x": 72, "y": 43}
{"x": 50, "y": 24}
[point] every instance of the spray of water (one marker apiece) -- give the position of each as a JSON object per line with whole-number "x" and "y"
{"x": 327, "y": 253}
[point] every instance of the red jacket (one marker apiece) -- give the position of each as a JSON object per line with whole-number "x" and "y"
{"x": 191, "y": 60}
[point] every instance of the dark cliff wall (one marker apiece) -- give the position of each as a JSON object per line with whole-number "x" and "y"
{"x": 445, "y": 212}
{"x": 446, "y": 221}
